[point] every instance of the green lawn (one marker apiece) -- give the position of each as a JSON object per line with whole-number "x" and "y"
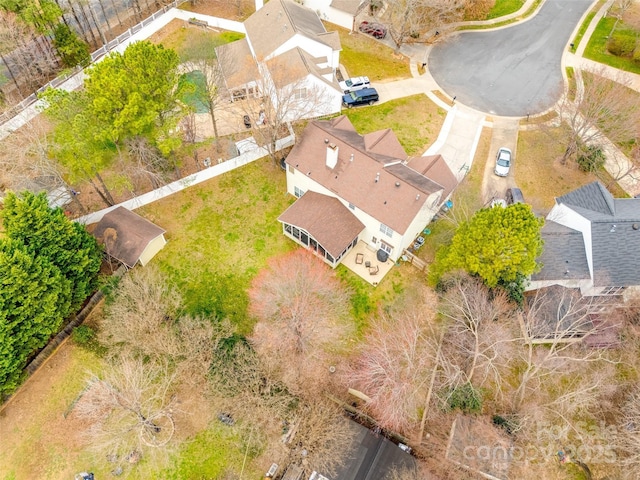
{"x": 362, "y": 55}
{"x": 220, "y": 234}
{"x": 597, "y": 50}
{"x": 415, "y": 120}
{"x": 504, "y": 7}
{"x": 585, "y": 24}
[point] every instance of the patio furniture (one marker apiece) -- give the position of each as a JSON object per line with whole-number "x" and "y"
{"x": 374, "y": 270}
{"x": 367, "y": 264}
{"x": 359, "y": 258}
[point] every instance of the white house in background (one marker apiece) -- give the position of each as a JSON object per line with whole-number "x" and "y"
{"x": 353, "y": 187}
{"x": 286, "y": 45}
{"x": 340, "y": 12}
{"x": 591, "y": 242}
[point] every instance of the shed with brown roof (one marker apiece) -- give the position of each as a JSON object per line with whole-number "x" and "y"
{"x": 128, "y": 237}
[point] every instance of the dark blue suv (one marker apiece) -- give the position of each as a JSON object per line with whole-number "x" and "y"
{"x": 360, "y": 97}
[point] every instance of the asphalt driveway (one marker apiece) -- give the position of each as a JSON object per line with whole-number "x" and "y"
{"x": 512, "y": 71}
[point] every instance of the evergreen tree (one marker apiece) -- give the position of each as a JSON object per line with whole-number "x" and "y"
{"x": 46, "y": 232}
{"x": 33, "y": 295}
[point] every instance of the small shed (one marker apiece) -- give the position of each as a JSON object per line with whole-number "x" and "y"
{"x": 128, "y": 237}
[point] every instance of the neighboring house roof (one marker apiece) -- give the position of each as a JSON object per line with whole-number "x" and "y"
{"x": 294, "y": 65}
{"x": 372, "y": 456}
{"x": 369, "y": 174}
{"x": 563, "y": 255}
{"x": 615, "y": 233}
{"x": 237, "y": 64}
{"x": 326, "y": 219}
{"x": 348, "y": 6}
{"x": 278, "y": 21}
{"x": 609, "y": 242}
{"x": 125, "y": 235}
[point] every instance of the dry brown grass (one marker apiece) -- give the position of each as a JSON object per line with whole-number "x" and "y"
{"x": 539, "y": 172}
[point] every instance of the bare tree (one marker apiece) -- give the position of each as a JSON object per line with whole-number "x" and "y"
{"x": 553, "y": 325}
{"x": 302, "y": 310}
{"x": 146, "y": 162}
{"x": 604, "y": 109}
{"x": 130, "y": 409}
{"x": 408, "y": 19}
{"x": 479, "y": 338}
{"x": 394, "y": 364}
{"x": 289, "y": 92}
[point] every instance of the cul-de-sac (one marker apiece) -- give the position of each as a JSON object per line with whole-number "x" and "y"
{"x": 320, "y": 239}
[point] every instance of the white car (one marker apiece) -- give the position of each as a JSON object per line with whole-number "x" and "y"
{"x": 354, "y": 84}
{"x": 503, "y": 162}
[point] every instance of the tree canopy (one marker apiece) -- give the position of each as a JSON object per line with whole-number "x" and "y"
{"x": 134, "y": 93}
{"x": 33, "y": 295}
{"x": 500, "y": 245}
{"x": 47, "y": 232}
{"x": 48, "y": 266}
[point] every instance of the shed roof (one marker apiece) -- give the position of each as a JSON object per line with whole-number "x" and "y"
{"x": 125, "y": 235}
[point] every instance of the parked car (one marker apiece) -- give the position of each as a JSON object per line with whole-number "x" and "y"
{"x": 503, "y": 162}
{"x": 354, "y": 84}
{"x": 376, "y": 30}
{"x": 514, "y": 195}
{"x": 365, "y": 96}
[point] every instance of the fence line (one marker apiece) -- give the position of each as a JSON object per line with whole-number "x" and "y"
{"x": 102, "y": 51}
{"x": 194, "y": 179}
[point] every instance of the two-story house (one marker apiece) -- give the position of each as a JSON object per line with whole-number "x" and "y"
{"x": 353, "y": 187}
{"x": 286, "y": 48}
{"x": 591, "y": 242}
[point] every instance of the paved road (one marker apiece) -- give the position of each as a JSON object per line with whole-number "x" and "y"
{"x": 510, "y": 71}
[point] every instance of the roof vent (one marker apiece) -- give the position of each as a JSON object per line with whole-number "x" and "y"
{"x": 397, "y": 184}
{"x": 377, "y": 177}
{"x": 635, "y": 226}
{"x": 351, "y": 158}
{"x": 326, "y": 140}
{"x": 613, "y": 229}
{"x": 418, "y": 197}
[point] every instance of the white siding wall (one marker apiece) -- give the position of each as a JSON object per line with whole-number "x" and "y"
{"x": 321, "y": 100}
{"x": 152, "y": 249}
{"x": 329, "y": 13}
{"x": 313, "y": 48}
{"x": 372, "y": 226}
{"x": 569, "y": 218}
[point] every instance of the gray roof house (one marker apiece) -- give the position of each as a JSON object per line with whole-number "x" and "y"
{"x": 286, "y": 46}
{"x": 591, "y": 242}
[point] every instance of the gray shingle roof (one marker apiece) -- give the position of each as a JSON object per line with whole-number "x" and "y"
{"x": 615, "y": 233}
{"x": 563, "y": 254}
{"x": 593, "y": 197}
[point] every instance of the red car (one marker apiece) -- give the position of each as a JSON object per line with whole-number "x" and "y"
{"x": 376, "y": 30}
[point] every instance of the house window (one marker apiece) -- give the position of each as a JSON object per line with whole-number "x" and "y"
{"x": 352, "y": 206}
{"x": 612, "y": 291}
{"x": 386, "y": 230}
{"x": 374, "y": 240}
{"x": 386, "y": 247}
{"x": 299, "y": 93}
{"x": 298, "y": 192}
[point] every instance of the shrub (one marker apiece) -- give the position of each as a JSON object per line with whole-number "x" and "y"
{"x": 621, "y": 45}
{"x": 591, "y": 159}
{"x": 83, "y": 335}
{"x": 636, "y": 55}
{"x": 465, "y": 398}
